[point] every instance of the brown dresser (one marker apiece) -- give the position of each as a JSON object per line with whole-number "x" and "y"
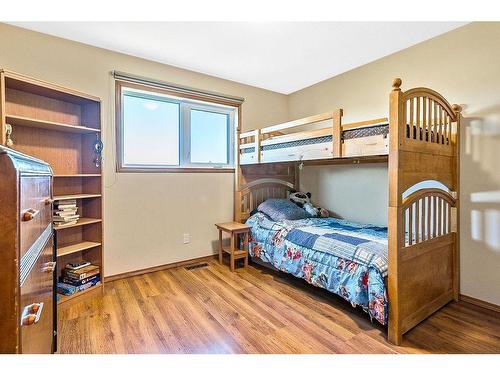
{"x": 27, "y": 262}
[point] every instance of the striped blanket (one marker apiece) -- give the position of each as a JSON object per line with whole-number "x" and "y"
{"x": 363, "y": 244}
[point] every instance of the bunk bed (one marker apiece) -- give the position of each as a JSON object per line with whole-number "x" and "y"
{"x": 420, "y": 142}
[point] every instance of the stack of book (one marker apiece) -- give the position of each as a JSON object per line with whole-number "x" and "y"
{"x": 65, "y": 212}
{"x": 77, "y": 277}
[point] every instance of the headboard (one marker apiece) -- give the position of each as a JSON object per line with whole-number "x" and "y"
{"x": 256, "y": 183}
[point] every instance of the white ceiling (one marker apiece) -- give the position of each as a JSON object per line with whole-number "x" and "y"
{"x": 279, "y": 56}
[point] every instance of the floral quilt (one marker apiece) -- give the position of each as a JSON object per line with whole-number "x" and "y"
{"x": 346, "y": 258}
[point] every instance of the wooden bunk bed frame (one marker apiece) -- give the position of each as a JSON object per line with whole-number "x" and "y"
{"x": 423, "y": 227}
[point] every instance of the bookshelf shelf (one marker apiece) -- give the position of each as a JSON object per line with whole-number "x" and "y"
{"x": 81, "y": 221}
{"x": 77, "y": 175}
{"x": 76, "y": 247}
{"x": 63, "y": 298}
{"x": 75, "y": 196}
{"x": 42, "y": 124}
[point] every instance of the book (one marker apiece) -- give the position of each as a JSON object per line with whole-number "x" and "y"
{"x": 88, "y": 285}
{"x": 65, "y": 223}
{"x": 80, "y": 282}
{"x": 75, "y": 278}
{"x": 81, "y": 273}
{"x": 78, "y": 265}
{"x": 70, "y": 276}
{"x": 66, "y": 202}
{"x": 65, "y": 206}
{"x": 65, "y": 212}
{"x": 66, "y": 218}
{"x": 66, "y": 289}
{"x": 65, "y": 215}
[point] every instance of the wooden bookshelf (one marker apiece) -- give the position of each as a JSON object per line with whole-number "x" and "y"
{"x": 76, "y": 247}
{"x": 81, "y": 221}
{"x": 60, "y": 125}
{"x": 42, "y": 124}
{"x": 75, "y": 196}
{"x": 77, "y": 175}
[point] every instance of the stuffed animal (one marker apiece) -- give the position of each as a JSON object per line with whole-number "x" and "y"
{"x": 299, "y": 198}
{"x": 303, "y": 200}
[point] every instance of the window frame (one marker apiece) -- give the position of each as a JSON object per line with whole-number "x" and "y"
{"x": 186, "y": 103}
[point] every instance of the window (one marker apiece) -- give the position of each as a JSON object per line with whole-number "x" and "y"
{"x": 209, "y": 137}
{"x": 160, "y": 132}
{"x": 150, "y": 131}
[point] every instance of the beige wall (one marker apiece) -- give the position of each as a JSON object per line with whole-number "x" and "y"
{"x": 145, "y": 214}
{"x": 463, "y": 65}
{"x": 354, "y": 192}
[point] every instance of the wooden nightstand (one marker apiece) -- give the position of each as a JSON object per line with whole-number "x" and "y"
{"x": 234, "y": 229}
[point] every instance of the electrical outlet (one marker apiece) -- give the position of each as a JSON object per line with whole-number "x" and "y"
{"x": 187, "y": 238}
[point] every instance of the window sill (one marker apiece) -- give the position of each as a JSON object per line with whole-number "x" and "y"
{"x": 174, "y": 170}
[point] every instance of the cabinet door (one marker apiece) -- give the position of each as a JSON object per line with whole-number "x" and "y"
{"x": 37, "y": 289}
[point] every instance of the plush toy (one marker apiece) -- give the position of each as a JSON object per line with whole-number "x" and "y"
{"x": 303, "y": 200}
{"x": 299, "y": 198}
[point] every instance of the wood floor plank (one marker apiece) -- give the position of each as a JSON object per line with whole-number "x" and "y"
{"x": 210, "y": 330}
{"x": 227, "y": 314}
{"x": 362, "y": 343}
{"x": 252, "y": 310}
{"x": 257, "y": 312}
{"x": 311, "y": 316}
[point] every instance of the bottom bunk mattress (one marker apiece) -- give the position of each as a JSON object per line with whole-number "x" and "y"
{"x": 345, "y": 258}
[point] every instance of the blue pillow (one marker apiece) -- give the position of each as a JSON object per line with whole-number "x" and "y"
{"x": 282, "y": 209}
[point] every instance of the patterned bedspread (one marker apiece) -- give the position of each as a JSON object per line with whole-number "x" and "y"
{"x": 346, "y": 258}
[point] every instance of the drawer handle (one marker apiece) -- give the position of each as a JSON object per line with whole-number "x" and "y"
{"x": 49, "y": 267}
{"x": 31, "y": 314}
{"x": 30, "y": 214}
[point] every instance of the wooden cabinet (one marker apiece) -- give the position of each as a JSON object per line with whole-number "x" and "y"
{"x": 26, "y": 255}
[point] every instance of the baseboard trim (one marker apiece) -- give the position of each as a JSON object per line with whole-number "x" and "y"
{"x": 480, "y": 303}
{"x": 162, "y": 267}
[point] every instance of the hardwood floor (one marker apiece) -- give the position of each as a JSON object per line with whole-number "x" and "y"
{"x": 253, "y": 310}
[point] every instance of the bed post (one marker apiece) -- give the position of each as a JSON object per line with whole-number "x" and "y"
{"x": 423, "y": 238}
{"x": 455, "y": 139}
{"x": 396, "y": 124}
{"x": 257, "y": 145}
{"x": 337, "y": 133}
{"x": 237, "y": 172}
